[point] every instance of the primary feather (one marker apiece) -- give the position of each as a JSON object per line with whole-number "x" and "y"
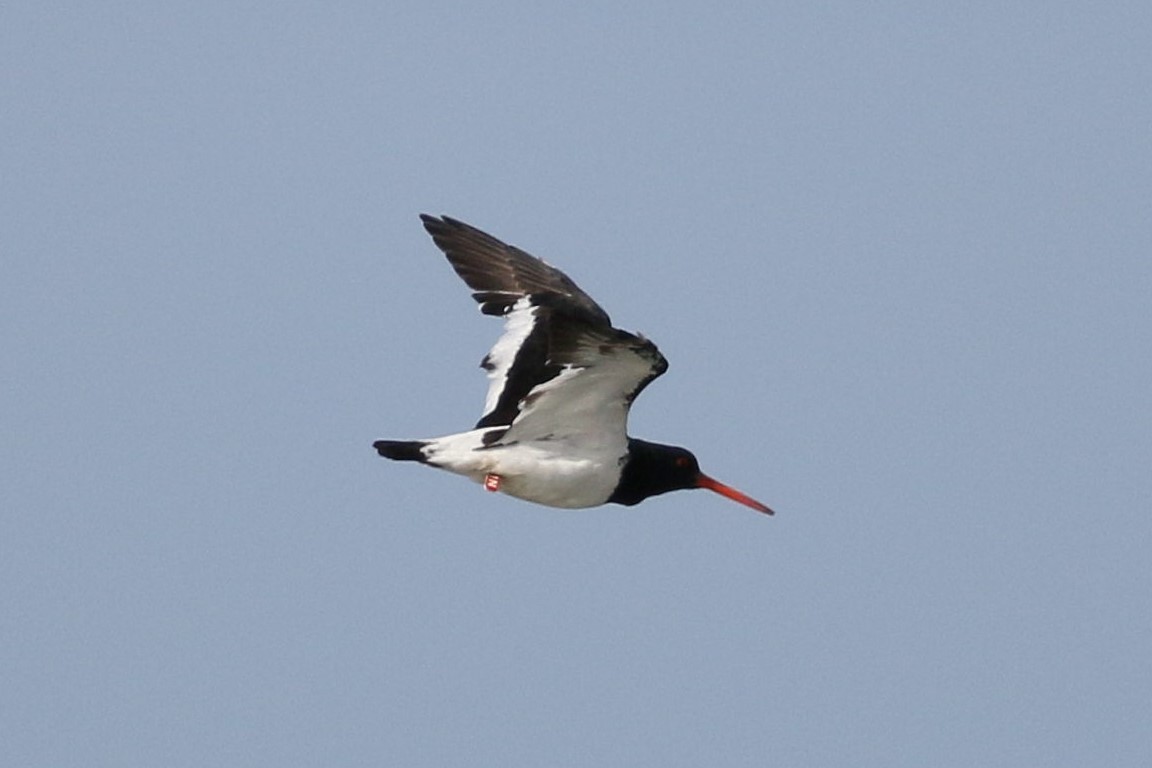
{"x": 559, "y": 366}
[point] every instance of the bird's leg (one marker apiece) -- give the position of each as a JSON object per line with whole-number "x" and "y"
{"x": 492, "y": 482}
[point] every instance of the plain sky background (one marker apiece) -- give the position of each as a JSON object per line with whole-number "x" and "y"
{"x": 898, "y": 254}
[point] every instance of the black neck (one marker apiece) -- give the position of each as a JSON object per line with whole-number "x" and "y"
{"x": 649, "y": 470}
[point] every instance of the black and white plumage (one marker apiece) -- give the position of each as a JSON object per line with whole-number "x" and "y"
{"x": 561, "y": 382}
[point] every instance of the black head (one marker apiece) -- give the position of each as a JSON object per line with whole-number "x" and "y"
{"x": 652, "y": 469}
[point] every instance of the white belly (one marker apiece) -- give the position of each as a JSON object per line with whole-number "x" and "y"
{"x": 568, "y": 483}
{"x": 571, "y": 474}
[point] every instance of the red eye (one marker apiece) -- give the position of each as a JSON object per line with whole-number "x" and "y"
{"x": 681, "y": 462}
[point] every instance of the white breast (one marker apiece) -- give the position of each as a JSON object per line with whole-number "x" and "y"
{"x": 571, "y": 473}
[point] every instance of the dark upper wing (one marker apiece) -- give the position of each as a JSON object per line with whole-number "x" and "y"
{"x": 552, "y": 330}
{"x": 500, "y": 274}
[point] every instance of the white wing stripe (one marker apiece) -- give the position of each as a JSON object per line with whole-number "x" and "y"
{"x": 518, "y": 323}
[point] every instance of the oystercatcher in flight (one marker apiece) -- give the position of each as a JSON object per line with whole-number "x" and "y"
{"x": 561, "y": 381}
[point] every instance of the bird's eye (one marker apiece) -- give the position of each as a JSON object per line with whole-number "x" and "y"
{"x": 682, "y": 461}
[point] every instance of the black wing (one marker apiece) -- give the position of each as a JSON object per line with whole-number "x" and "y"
{"x": 551, "y": 326}
{"x": 500, "y": 274}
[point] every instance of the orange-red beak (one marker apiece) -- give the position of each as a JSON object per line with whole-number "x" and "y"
{"x": 703, "y": 481}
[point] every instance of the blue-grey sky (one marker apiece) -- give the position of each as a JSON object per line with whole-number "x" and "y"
{"x": 899, "y": 256}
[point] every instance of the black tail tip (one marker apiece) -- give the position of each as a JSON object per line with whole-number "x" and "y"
{"x": 400, "y": 450}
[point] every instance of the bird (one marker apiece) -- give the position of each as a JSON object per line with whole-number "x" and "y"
{"x": 561, "y": 382}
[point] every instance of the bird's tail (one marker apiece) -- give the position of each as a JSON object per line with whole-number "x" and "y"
{"x": 401, "y": 450}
